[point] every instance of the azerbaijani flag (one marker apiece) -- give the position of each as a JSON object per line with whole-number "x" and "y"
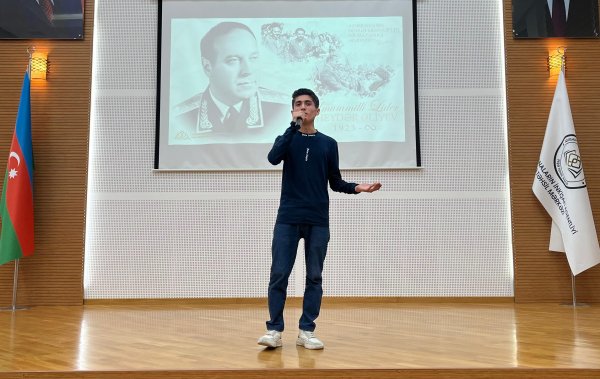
{"x": 16, "y": 207}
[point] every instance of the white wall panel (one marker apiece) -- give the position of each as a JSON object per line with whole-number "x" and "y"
{"x": 443, "y": 230}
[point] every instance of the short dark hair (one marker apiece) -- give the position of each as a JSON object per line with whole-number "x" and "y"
{"x": 207, "y": 44}
{"x": 305, "y": 91}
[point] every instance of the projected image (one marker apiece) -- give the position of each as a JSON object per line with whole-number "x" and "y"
{"x": 227, "y": 71}
{"x": 332, "y": 72}
{"x": 243, "y": 70}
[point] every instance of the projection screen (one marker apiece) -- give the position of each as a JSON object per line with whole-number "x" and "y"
{"x": 248, "y": 57}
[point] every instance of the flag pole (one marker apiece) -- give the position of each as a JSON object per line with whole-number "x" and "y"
{"x": 15, "y": 285}
{"x": 573, "y": 286}
{"x": 573, "y": 290}
{"x": 574, "y": 294}
{"x": 14, "y": 306}
{"x": 574, "y": 302}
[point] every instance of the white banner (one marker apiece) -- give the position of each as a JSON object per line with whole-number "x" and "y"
{"x": 560, "y": 186}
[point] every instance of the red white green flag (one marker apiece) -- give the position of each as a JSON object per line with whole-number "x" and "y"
{"x": 16, "y": 206}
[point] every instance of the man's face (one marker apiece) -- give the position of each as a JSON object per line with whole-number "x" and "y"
{"x": 306, "y": 104}
{"x": 232, "y": 73}
{"x": 300, "y": 34}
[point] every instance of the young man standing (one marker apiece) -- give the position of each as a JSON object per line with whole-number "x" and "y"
{"x": 310, "y": 162}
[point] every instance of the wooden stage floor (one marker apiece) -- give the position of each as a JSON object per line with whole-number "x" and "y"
{"x": 368, "y": 340}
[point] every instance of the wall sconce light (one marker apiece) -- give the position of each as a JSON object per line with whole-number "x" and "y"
{"x": 557, "y": 61}
{"x": 39, "y": 65}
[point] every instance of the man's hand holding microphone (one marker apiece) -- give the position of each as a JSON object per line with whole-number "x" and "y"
{"x": 298, "y": 118}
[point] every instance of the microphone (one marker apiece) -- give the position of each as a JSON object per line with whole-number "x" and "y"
{"x": 298, "y": 122}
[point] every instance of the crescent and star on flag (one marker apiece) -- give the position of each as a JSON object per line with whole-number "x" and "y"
{"x": 13, "y": 172}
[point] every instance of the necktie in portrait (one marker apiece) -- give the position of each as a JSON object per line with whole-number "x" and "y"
{"x": 230, "y": 119}
{"x": 48, "y": 9}
{"x": 559, "y": 18}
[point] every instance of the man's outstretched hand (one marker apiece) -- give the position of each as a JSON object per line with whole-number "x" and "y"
{"x": 368, "y": 187}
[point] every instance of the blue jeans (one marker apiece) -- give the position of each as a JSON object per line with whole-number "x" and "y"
{"x": 285, "y": 245}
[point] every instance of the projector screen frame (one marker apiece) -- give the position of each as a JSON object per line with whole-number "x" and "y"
{"x": 250, "y": 149}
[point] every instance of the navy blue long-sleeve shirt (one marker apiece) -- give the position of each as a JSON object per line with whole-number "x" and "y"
{"x": 309, "y": 162}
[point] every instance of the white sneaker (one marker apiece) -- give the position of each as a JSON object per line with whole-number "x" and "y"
{"x": 271, "y": 339}
{"x": 309, "y": 341}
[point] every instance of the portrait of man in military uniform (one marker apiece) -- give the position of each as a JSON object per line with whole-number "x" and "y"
{"x": 233, "y": 107}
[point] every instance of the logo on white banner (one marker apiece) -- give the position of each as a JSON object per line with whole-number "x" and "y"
{"x": 567, "y": 163}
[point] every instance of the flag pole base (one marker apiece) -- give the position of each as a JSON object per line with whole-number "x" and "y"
{"x": 17, "y": 308}
{"x": 574, "y": 305}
